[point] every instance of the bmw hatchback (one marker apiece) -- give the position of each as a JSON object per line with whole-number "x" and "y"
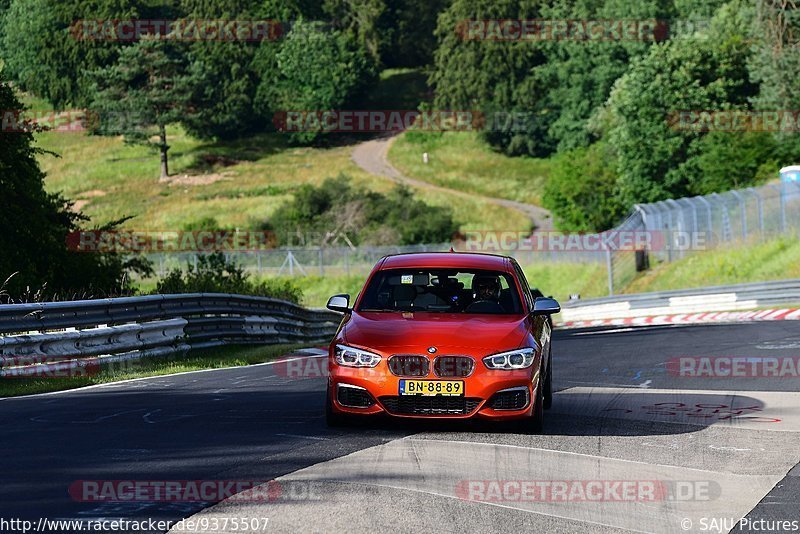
{"x": 442, "y": 335}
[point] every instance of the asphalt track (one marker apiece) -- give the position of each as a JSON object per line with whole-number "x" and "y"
{"x": 726, "y": 448}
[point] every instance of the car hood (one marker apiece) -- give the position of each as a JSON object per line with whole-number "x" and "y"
{"x": 415, "y": 332}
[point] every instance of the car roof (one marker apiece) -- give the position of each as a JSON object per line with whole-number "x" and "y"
{"x": 449, "y": 260}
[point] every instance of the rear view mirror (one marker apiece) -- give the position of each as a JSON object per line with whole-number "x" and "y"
{"x": 339, "y": 303}
{"x": 546, "y": 306}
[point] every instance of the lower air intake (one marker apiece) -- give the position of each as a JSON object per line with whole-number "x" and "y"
{"x": 354, "y": 397}
{"x": 514, "y": 399}
{"x": 425, "y": 405}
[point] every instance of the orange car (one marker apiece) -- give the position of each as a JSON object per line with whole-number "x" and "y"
{"x": 442, "y": 335}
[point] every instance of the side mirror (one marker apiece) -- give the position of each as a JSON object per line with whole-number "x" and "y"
{"x": 339, "y": 303}
{"x": 545, "y": 306}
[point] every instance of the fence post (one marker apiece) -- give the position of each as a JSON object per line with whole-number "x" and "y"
{"x": 783, "y": 206}
{"x": 671, "y": 235}
{"x": 321, "y": 254}
{"x": 610, "y": 269}
{"x": 760, "y": 202}
{"x": 681, "y": 223}
{"x": 742, "y": 210}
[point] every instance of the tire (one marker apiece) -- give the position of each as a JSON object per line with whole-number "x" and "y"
{"x": 536, "y": 423}
{"x": 548, "y": 382}
{"x": 333, "y": 419}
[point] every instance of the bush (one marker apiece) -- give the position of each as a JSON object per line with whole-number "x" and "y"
{"x": 216, "y": 274}
{"x": 582, "y": 190}
{"x": 337, "y": 210}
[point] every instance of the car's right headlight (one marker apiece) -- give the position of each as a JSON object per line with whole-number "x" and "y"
{"x": 513, "y": 359}
{"x": 352, "y": 357}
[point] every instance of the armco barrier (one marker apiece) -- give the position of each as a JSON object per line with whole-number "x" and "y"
{"x": 65, "y": 335}
{"x": 687, "y": 301}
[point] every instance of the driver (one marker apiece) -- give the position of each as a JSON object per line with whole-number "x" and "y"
{"x": 486, "y": 287}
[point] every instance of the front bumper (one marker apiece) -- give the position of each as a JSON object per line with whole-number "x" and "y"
{"x": 495, "y": 395}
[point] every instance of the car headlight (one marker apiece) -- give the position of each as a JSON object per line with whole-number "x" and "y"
{"x": 513, "y": 359}
{"x": 350, "y": 357}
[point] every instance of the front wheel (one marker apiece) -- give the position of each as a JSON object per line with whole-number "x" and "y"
{"x": 333, "y": 419}
{"x": 548, "y": 383}
{"x": 535, "y": 423}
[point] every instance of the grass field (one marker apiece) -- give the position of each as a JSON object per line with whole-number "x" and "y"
{"x": 775, "y": 259}
{"x": 238, "y": 184}
{"x": 460, "y": 160}
{"x": 111, "y": 180}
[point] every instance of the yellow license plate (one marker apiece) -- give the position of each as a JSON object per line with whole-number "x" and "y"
{"x": 447, "y": 388}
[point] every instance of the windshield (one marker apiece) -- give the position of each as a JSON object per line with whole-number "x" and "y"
{"x": 443, "y": 291}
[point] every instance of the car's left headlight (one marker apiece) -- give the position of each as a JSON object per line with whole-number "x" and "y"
{"x": 352, "y": 357}
{"x": 513, "y": 359}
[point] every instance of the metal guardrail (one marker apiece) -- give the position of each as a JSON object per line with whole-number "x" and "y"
{"x": 707, "y": 299}
{"x": 63, "y": 335}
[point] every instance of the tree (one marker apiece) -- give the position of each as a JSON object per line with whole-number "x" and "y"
{"x": 705, "y": 73}
{"x": 224, "y": 102}
{"x": 407, "y": 32}
{"x": 487, "y": 75}
{"x": 149, "y": 88}
{"x": 777, "y": 58}
{"x": 577, "y": 76}
{"x": 358, "y": 19}
{"x": 45, "y": 52}
{"x": 313, "y": 70}
{"x": 34, "y": 226}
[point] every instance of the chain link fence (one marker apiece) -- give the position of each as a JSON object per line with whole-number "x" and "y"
{"x": 657, "y": 232}
{"x": 677, "y": 228}
{"x": 337, "y": 261}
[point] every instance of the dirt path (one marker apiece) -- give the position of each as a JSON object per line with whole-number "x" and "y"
{"x": 372, "y": 156}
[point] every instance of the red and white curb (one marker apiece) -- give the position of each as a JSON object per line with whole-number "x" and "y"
{"x": 785, "y": 314}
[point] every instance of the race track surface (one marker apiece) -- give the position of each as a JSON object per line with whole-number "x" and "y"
{"x": 695, "y": 453}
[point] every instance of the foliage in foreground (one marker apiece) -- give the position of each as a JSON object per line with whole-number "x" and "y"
{"x": 216, "y": 274}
